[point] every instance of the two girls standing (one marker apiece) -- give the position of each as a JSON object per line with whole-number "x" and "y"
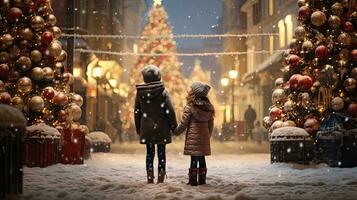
{"x": 155, "y": 120}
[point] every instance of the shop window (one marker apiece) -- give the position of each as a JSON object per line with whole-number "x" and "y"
{"x": 281, "y": 27}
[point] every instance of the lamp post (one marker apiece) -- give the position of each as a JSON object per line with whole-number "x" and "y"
{"x": 97, "y": 75}
{"x": 233, "y": 74}
{"x": 224, "y": 83}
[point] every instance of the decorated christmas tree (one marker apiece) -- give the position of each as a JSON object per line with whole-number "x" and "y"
{"x": 152, "y": 43}
{"x": 33, "y": 75}
{"x": 320, "y": 73}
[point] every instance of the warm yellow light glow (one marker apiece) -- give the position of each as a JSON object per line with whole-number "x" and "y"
{"x": 224, "y": 82}
{"x": 281, "y": 26}
{"x": 97, "y": 72}
{"x": 289, "y": 28}
{"x": 271, "y": 44}
{"x": 77, "y": 72}
{"x": 233, "y": 74}
{"x": 157, "y": 2}
{"x": 135, "y": 48}
{"x": 271, "y": 7}
{"x": 113, "y": 82}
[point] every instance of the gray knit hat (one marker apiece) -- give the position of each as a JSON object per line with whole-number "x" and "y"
{"x": 200, "y": 89}
{"x": 151, "y": 73}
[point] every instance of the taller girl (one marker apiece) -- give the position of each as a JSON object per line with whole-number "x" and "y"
{"x": 198, "y": 120}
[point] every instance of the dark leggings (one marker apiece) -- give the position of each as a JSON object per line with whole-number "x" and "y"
{"x": 150, "y": 155}
{"x": 198, "y": 160}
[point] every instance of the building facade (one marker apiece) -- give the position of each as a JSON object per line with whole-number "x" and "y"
{"x": 102, "y": 96}
{"x": 265, "y": 16}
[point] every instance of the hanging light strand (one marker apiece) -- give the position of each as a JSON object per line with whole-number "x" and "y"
{"x": 186, "y": 36}
{"x": 177, "y": 54}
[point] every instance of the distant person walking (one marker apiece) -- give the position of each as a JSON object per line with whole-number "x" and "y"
{"x": 249, "y": 116}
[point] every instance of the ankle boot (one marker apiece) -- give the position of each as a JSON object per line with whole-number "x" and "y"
{"x": 192, "y": 176}
{"x": 202, "y": 176}
{"x": 150, "y": 176}
{"x": 161, "y": 177}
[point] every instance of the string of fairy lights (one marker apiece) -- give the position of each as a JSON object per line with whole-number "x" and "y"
{"x": 178, "y": 36}
{"x": 234, "y": 53}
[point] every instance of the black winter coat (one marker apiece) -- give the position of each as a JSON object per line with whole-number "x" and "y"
{"x": 155, "y": 116}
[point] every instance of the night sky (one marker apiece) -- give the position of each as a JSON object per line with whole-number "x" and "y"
{"x": 193, "y": 17}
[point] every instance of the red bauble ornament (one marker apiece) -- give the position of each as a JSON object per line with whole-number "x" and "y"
{"x": 47, "y": 37}
{"x": 293, "y": 59}
{"x": 321, "y": 51}
{"x": 294, "y": 81}
{"x": 303, "y": 13}
{"x": 305, "y": 83}
{"x": 4, "y": 71}
{"x": 352, "y": 108}
{"x": 347, "y": 26}
{"x": 14, "y": 14}
{"x": 60, "y": 99}
{"x": 5, "y": 98}
{"x": 49, "y": 93}
{"x": 354, "y": 55}
{"x": 275, "y": 114}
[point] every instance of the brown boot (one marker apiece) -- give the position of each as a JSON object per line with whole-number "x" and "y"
{"x": 202, "y": 176}
{"x": 150, "y": 176}
{"x": 161, "y": 177}
{"x": 192, "y": 176}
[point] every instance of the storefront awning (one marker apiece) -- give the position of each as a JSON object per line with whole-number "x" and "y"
{"x": 273, "y": 63}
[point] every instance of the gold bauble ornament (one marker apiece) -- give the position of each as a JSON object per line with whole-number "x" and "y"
{"x": 68, "y": 78}
{"x": 37, "y": 23}
{"x": 48, "y": 73}
{"x": 318, "y": 18}
{"x": 337, "y": 9}
{"x": 307, "y": 45}
{"x": 55, "y": 48}
{"x": 51, "y": 19}
{"x": 337, "y": 103}
{"x": 77, "y": 99}
{"x": 300, "y": 33}
{"x": 24, "y": 85}
{"x": 4, "y": 57}
{"x": 37, "y": 73}
{"x": 62, "y": 57}
{"x": 26, "y": 34}
{"x": 56, "y": 32}
{"x": 60, "y": 99}
{"x": 18, "y": 103}
{"x": 36, "y": 55}
{"x": 350, "y": 84}
{"x": 334, "y": 21}
{"x": 354, "y": 72}
{"x": 36, "y": 103}
{"x": 344, "y": 39}
{"x": 24, "y": 63}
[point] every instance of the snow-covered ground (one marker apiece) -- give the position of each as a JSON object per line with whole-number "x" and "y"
{"x": 230, "y": 176}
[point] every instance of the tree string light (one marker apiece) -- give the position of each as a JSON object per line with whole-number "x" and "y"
{"x": 178, "y": 54}
{"x": 203, "y": 36}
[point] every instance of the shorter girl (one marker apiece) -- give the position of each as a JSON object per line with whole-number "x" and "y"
{"x": 197, "y": 120}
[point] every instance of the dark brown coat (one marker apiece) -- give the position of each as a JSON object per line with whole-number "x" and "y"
{"x": 198, "y": 122}
{"x": 154, "y": 114}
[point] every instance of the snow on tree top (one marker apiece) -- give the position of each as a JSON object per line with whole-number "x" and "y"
{"x": 11, "y": 117}
{"x": 289, "y": 133}
{"x": 42, "y": 130}
{"x": 99, "y": 137}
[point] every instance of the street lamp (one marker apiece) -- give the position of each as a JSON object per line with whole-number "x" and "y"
{"x": 233, "y": 74}
{"x": 224, "y": 83}
{"x": 97, "y": 75}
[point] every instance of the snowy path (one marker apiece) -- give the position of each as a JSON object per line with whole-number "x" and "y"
{"x": 250, "y": 176}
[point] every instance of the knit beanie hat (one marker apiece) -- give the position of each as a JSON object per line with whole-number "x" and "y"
{"x": 200, "y": 89}
{"x": 151, "y": 73}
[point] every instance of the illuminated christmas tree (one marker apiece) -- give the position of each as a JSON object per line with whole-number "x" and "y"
{"x": 33, "y": 75}
{"x": 320, "y": 73}
{"x": 168, "y": 63}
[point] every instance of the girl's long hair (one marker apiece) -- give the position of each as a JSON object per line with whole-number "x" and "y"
{"x": 191, "y": 98}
